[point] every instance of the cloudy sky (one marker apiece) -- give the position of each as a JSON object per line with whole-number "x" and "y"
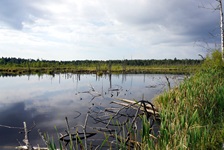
{"x": 107, "y": 29}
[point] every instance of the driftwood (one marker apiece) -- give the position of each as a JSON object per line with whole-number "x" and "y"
{"x": 114, "y": 126}
{"x": 168, "y": 82}
{"x": 33, "y": 148}
{"x": 113, "y": 122}
{"x": 27, "y": 145}
{"x": 68, "y": 137}
{"x": 92, "y": 92}
{"x": 149, "y": 107}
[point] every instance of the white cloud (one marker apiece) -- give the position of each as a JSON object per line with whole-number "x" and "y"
{"x": 112, "y": 29}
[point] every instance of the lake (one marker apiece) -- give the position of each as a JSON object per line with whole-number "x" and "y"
{"x": 47, "y": 99}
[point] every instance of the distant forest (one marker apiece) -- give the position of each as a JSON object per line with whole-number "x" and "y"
{"x": 19, "y": 66}
{"x": 19, "y": 62}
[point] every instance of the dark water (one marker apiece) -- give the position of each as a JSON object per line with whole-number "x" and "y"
{"x": 47, "y": 100}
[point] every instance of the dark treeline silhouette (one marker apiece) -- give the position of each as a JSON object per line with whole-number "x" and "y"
{"x": 20, "y": 62}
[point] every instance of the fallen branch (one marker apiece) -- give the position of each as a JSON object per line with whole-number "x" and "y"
{"x": 149, "y": 105}
{"x": 27, "y": 145}
{"x": 133, "y": 105}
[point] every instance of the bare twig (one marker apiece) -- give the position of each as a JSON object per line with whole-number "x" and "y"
{"x": 115, "y": 115}
{"x": 132, "y": 124}
{"x": 84, "y": 130}
{"x": 112, "y": 117}
{"x": 26, "y": 140}
{"x": 43, "y": 138}
{"x": 69, "y": 132}
{"x": 10, "y": 127}
{"x": 168, "y": 82}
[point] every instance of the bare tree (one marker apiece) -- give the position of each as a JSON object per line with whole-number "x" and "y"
{"x": 221, "y": 27}
{"x": 220, "y": 8}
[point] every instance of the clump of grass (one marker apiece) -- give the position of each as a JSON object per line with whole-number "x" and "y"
{"x": 192, "y": 115}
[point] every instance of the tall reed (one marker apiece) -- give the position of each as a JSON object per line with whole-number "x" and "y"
{"x": 192, "y": 115}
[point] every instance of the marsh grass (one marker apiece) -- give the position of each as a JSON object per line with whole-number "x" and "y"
{"x": 192, "y": 115}
{"x": 99, "y": 69}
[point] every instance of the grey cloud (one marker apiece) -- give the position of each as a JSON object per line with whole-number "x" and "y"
{"x": 15, "y": 12}
{"x": 104, "y": 24}
{"x": 179, "y": 17}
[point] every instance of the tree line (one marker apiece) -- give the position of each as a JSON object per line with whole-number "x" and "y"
{"x": 20, "y": 62}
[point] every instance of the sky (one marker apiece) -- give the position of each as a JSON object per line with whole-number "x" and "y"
{"x": 108, "y": 29}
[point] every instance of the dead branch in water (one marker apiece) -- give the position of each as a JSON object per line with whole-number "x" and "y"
{"x": 114, "y": 121}
{"x": 140, "y": 108}
{"x": 26, "y": 141}
{"x": 92, "y": 92}
{"x": 118, "y": 124}
{"x": 10, "y": 127}
{"x": 168, "y": 82}
{"x": 148, "y": 107}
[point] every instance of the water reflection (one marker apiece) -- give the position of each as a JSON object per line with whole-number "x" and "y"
{"x": 47, "y": 100}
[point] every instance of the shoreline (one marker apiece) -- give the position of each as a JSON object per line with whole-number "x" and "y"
{"x": 13, "y": 71}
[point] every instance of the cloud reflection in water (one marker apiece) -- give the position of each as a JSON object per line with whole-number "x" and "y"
{"x": 47, "y": 100}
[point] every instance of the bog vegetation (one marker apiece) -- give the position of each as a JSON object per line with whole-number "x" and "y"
{"x": 18, "y": 66}
{"x": 191, "y": 115}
